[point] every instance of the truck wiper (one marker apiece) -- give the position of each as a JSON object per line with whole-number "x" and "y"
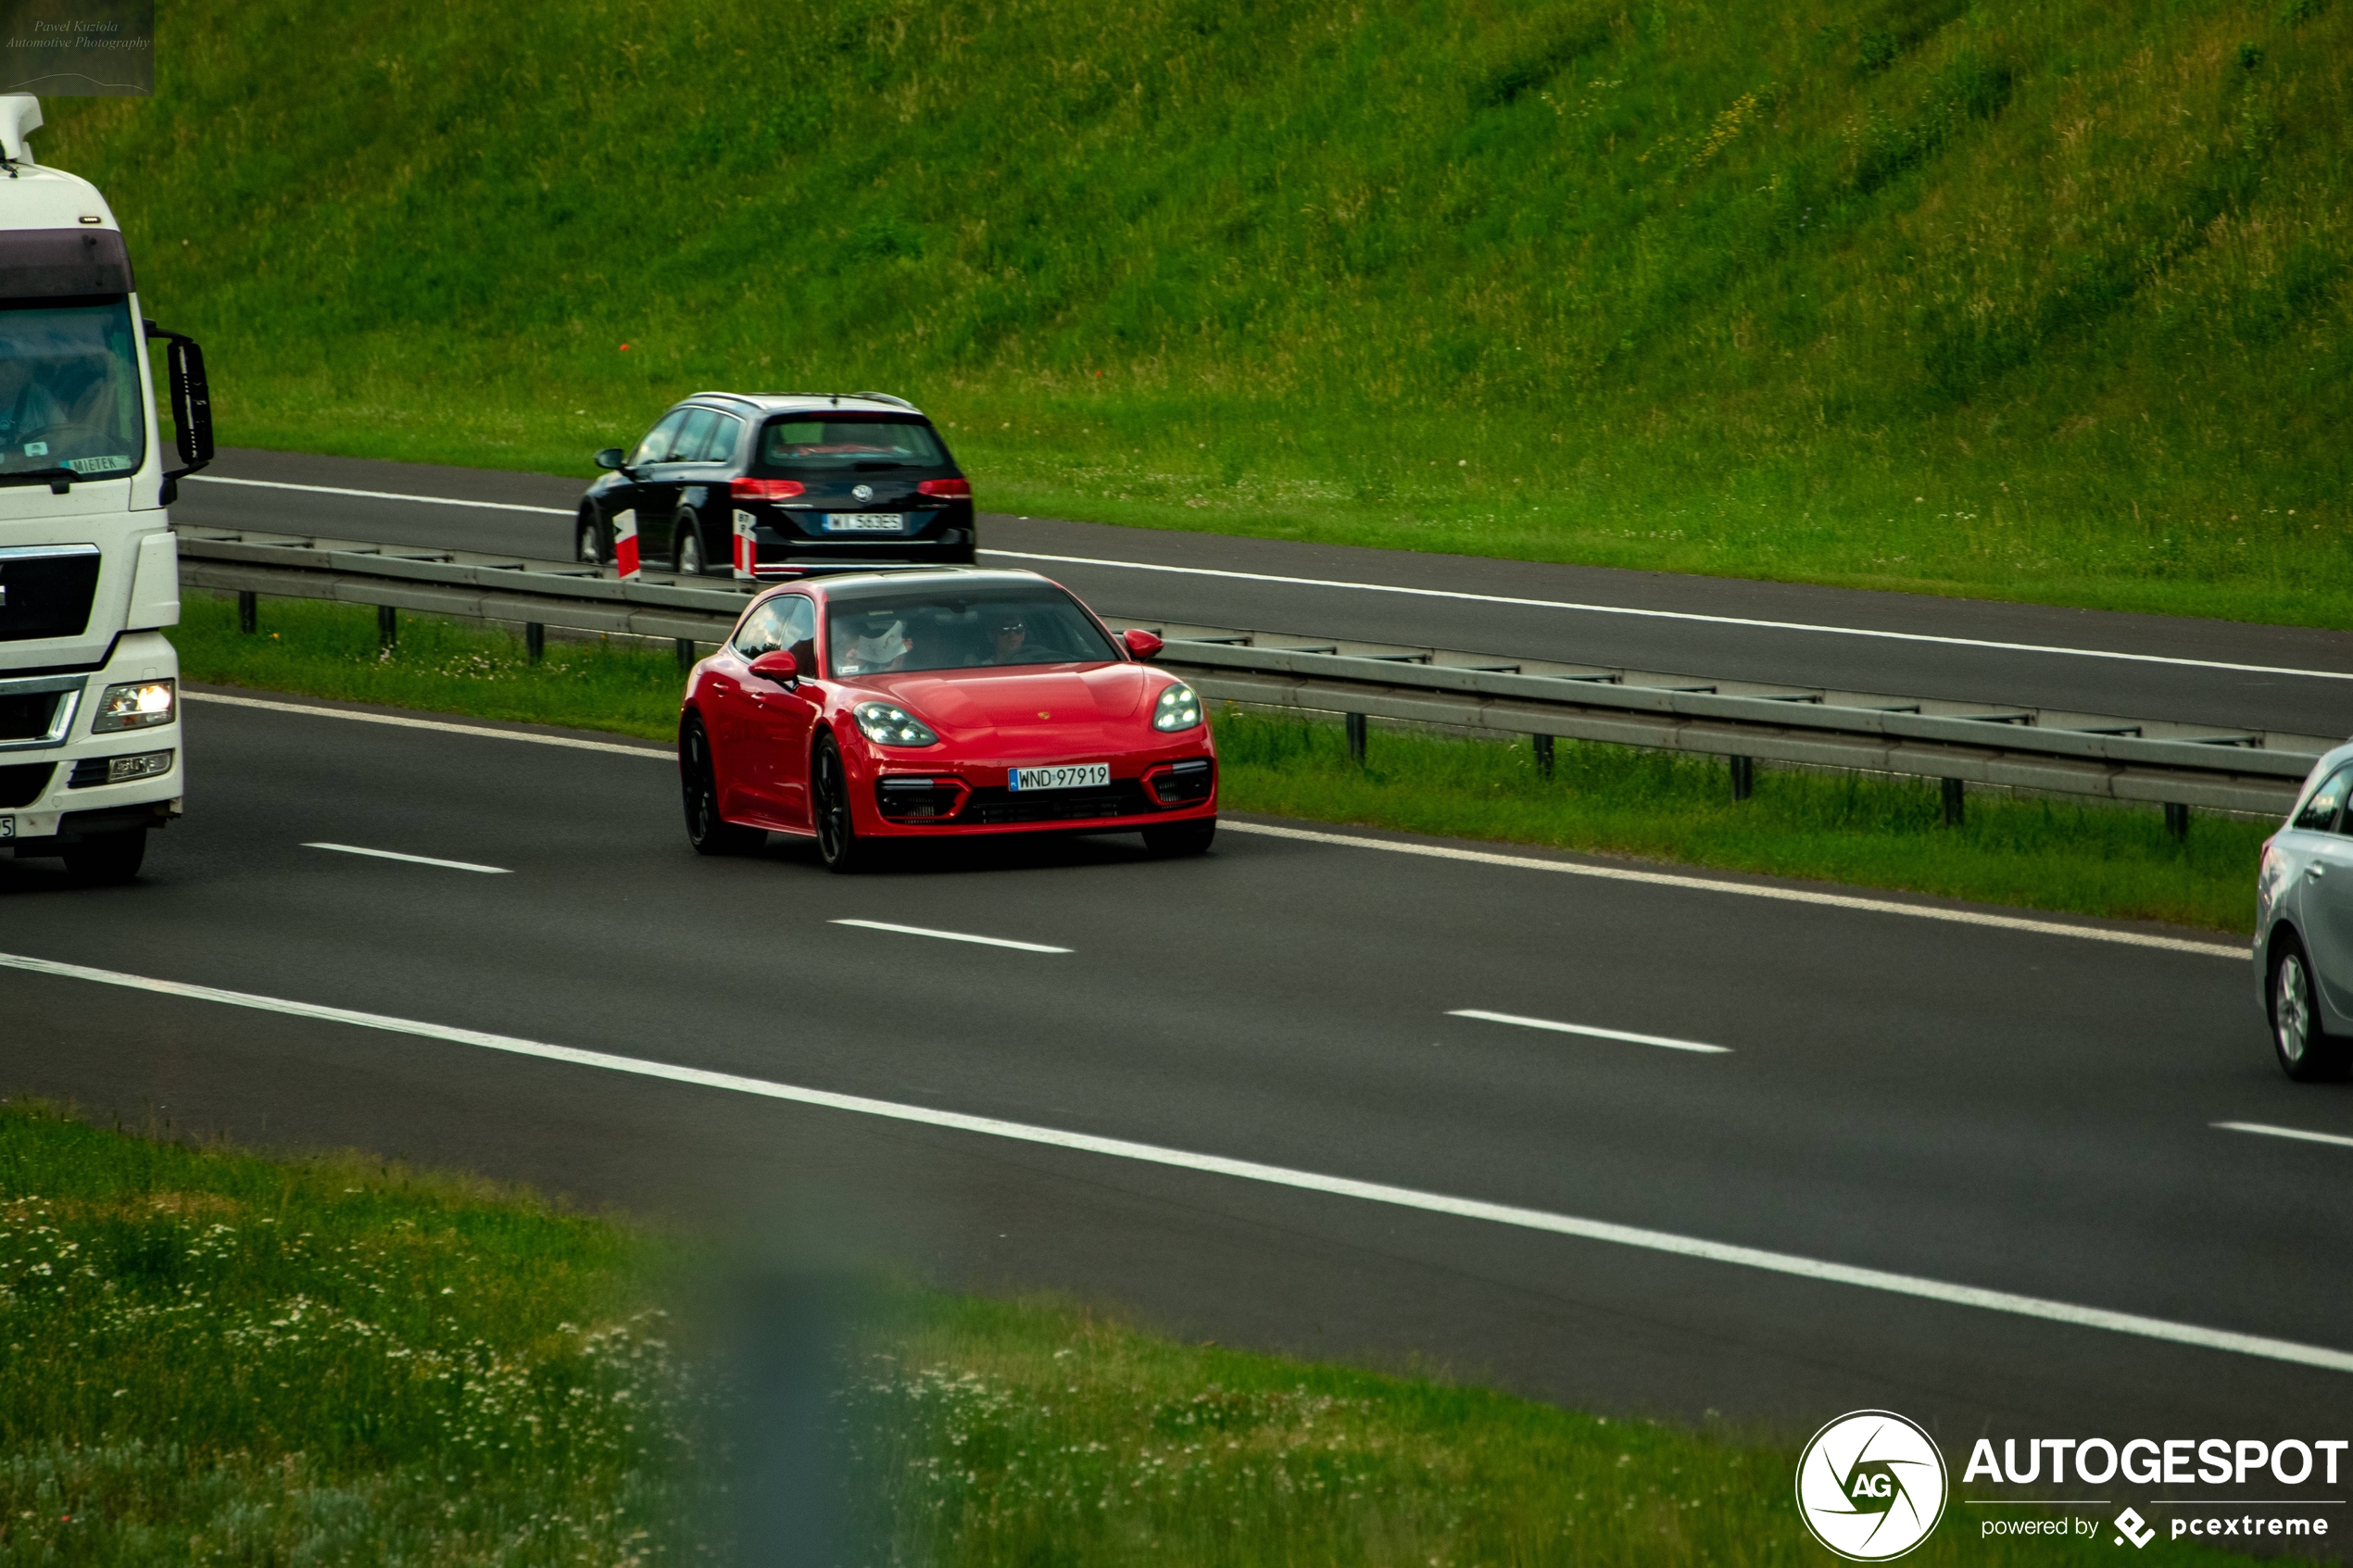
{"x": 60, "y": 480}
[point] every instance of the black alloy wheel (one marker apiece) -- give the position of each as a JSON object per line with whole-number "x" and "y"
{"x": 107, "y": 860}
{"x": 687, "y": 555}
{"x": 2306, "y": 1052}
{"x": 1181, "y": 838}
{"x": 589, "y": 539}
{"x": 838, "y": 842}
{"x": 709, "y": 833}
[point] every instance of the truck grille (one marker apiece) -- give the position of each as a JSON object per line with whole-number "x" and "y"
{"x": 27, "y": 715}
{"x": 23, "y": 784}
{"x": 46, "y": 591}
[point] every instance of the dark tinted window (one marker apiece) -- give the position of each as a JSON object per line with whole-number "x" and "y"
{"x": 726, "y": 431}
{"x": 2320, "y": 812}
{"x": 944, "y": 628}
{"x": 692, "y": 436}
{"x": 796, "y": 444}
{"x": 655, "y": 449}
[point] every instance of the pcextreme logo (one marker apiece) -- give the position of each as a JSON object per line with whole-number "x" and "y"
{"x": 1871, "y": 1485}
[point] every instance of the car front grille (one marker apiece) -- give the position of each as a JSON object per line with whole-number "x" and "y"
{"x": 998, "y": 807}
{"x": 23, "y": 784}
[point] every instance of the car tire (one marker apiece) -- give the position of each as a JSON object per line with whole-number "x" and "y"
{"x": 838, "y": 842}
{"x": 589, "y": 539}
{"x": 2306, "y": 1052}
{"x": 106, "y": 859}
{"x": 1181, "y": 838}
{"x": 687, "y": 555}
{"x": 709, "y": 833}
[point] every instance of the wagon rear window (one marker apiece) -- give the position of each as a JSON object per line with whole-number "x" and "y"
{"x": 800, "y": 444}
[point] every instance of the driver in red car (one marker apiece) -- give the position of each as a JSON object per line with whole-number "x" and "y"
{"x": 1007, "y": 638}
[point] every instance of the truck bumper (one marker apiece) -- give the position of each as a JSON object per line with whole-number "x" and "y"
{"x": 56, "y": 792}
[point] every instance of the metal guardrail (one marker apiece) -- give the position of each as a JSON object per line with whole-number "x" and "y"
{"x": 2179, "y": 765}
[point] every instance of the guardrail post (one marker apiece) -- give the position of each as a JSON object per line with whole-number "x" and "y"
{"x": 1952, "y": 802}
{"x": 534, "y": 641}
{"x": 686, "y": 654}
{"x": 1543, "y": 755}
{"x": 387, "y": 625}
{"x": 2177, "y": 819}
{"x": 1357, "y": 737}
{"x": 248, "y": 611}
{"x": 1743, "y": 777}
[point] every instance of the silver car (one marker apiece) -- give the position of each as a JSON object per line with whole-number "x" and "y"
{"x": 2304, "y": 926}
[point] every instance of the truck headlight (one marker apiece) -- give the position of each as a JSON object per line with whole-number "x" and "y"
{"x": 1178, "y": 709}
{"x": 887, "y": 723}
{"x": 136, "y": 705}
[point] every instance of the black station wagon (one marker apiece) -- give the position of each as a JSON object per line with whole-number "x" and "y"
{"x": 774, "y": 483}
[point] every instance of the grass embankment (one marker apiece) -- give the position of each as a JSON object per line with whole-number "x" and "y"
{"x": 2089, "y": 860}
{"x": 214, "y": 1356}
{"x": 2042, "y": 302}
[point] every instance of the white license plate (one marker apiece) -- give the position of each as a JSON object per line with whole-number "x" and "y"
{"x": 1070, "y": 775}
{"x": 865, "y": 522}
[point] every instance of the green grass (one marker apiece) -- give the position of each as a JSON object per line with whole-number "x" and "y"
{"x": 219, "y": 1357}
{"x": 2040, "y": 301}
{"x": 2091, "y": 859}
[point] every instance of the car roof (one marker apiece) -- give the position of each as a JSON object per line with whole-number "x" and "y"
{"x": 804, "y": 402}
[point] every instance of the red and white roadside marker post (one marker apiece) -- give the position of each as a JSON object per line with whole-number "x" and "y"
{"x": 625, "y": 544}
{"x": 747, "y": 547}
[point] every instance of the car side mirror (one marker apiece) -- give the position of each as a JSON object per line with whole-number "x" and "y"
{"x": 613, "y": 458}
{"x": 1141, "y": 642}
{"x": 780, "y": 667}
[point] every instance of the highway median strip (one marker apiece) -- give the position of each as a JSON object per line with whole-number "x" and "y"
{"x": 1568, "y": 1225}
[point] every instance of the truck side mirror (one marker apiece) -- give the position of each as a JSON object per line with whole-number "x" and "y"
{"x": 780, "y": 667}
{"x": 191, "y": 399}
{"x": 1141, "y": 642}
{"x": 613, "y": 458}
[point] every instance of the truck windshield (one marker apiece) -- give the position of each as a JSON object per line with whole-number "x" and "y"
{"x": 69, "y": 390}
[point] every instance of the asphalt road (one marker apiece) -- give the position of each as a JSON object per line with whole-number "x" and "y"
{"x": 2016, "y": 1110}
{"x": 1993, "y": 652}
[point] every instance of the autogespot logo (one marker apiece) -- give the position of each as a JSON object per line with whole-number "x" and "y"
{"x": 1871, "y": 1485}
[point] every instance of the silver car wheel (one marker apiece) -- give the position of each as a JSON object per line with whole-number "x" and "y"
{"x": 689, "y": 556}
{"x": 2292, "y": 1009}
{"x": 591, "y": 550}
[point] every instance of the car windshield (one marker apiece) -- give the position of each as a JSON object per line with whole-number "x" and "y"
{"x": 956, "y": 628}
{"x": 800, "y": 445}
{"x": 69, "y": 390}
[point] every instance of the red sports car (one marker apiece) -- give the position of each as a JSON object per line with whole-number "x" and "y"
{"x": 928, "y": 704}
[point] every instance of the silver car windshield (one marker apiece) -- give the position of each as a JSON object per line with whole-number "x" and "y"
{"x": 69, "y": 390}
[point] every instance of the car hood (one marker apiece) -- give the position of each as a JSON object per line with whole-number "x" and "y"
{"x": 1042, "y": 702}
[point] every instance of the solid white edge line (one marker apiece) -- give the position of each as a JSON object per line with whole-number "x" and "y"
{"x": 1559, "y": 1028}
{"x": 1352, "y": 841}
{"x": 2298, "y": 1134}
{"x": 412, "y": 859}
{"x": 484, "y": 731}
{"x": 951, "y": 936}
{"x": 381, "y": 495}
{"x": 1753, "y": 890}
{"x": 1681, "y": 615}
{"x": 1666, "y": 1242}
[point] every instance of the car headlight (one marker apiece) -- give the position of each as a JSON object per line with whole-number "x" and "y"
{"x": 888, "y": 724}
{"x": 1178, "y": 709}
{"x": 135, "y": 705}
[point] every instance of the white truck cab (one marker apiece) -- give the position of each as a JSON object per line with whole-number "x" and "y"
{"x": 89, "y": 748}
